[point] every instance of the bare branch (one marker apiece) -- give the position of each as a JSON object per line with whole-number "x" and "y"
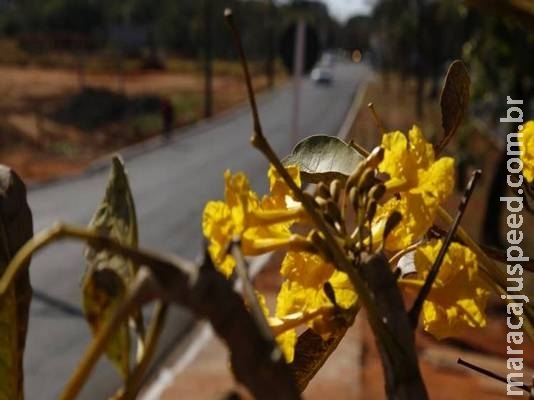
{"x": 425, "y": 290}
{"x": 203, "y": 290}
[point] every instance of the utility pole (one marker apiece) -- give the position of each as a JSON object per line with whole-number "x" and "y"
{"x": 208, "y": 58}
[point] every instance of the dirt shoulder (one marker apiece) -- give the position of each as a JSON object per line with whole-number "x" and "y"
{"x": 55, "y": 122}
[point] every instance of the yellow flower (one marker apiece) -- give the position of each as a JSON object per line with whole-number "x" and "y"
{"x": 404, "y": 158}
{"x": 294, "y": 297}
{"x": 280, "y": 195}
{"x": 261, "y": 226}
{"x": 309, "y": 270}
{"x": 218, "y": 227}
{"x": 344, "y": 289}
{"x": 457, "y": 298}
{"x": 287, "y": 339}
{"x": 527, "y": 149}
{"x": 302, "y": 290}
{"x": 222, "y": 221}
{"x": 417, "y": 218}
{"x": 420, "y": 184}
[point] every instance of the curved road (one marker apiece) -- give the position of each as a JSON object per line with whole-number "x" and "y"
{"x": 170, "y": 183}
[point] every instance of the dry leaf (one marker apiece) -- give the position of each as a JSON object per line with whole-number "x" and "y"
{"x": 108, "y": 275}
{"x": 15, "y": 230}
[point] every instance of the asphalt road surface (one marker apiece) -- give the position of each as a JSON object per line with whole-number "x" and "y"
{"x": 170, "y": 183}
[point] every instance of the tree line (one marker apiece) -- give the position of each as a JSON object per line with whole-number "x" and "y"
{"x": 174, "y": 26}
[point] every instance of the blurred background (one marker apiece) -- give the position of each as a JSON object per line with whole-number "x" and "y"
{"x": 82, "y": 78}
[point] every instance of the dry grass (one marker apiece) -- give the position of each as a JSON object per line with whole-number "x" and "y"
{"x": 40, "y": 147}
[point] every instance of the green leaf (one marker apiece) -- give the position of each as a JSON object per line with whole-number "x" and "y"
{"x": 323, "y": 158}
{"x": 107, "y": 275}
{"x": 15, "y": 230}
{"x": 454, "y": 100}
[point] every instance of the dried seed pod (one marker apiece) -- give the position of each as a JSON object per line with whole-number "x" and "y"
{"x": 353, "y": 197}
{"x": 372, "y": 161}
{"x": 321, "y": 190}
{"x": 318, "y": 241}
{"x": 375, "y": 157}
{"x": 333, "y": 211}
{"x": 377, "y": 191}
{"x": 392, "y": 221}
{"x": 321, "y": 201}
{"x": 330, "y": 293}
{"x": 367, "y": 180}
{"x": 371, "y": 210}
{"x": 335, "y": 189}
{"x": 354, "y": 178}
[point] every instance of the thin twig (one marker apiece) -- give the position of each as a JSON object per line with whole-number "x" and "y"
{"x": 98, "y": 345}
{"x": 397, "y": 256}
{"x": 378, "y": 122}
{"x": 249, "y": 293}
{"x": 94, "y": 239}
{"x": 151, "y": 340}
{"x": 490, "y": 251}
{"x": 500, "y": 255}
{"x": 237, "y": 41}
{"x": 490, "y": 374}
{"x": 260, "y": 142}
{"x": 433, "y": 273}
{"x": 360, "y": 149}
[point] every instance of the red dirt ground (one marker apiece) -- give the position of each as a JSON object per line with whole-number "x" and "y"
{"x": 39, "y": 148}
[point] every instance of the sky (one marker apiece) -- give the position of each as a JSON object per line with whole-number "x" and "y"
{"x": 344, "y": 9}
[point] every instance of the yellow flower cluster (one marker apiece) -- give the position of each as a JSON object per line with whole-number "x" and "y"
{"x": 458, "y": 296}
{"x": 420, "y": 184}
{"x": 417, "y": 183}
{"x": 302, "y": 290}
{"x": 261, "y": 226}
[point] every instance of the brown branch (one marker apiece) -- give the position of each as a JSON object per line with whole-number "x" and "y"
{"x": 203, "y": 290}
{"x": 492, "y": 252}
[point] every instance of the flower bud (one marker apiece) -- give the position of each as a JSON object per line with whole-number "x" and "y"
{"x": 367, "y": 180}
{"x": 391, "y": 223}
{"x": 322, "y": 190}
{"x": 377, "y": 191}
{"x": 375, "y": 157}
{"x": 353, "y": 198}
{"x": 335, "y": 189}
{"x": 371, "y": 210}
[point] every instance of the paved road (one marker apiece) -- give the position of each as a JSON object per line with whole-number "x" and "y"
{"x": 170, "y": 184}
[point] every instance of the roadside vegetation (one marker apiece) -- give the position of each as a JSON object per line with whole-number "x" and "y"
{"x": 55, "y": 121}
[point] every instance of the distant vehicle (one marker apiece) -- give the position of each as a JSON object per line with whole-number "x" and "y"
{"x": 322, "y": 75}
{"x": 327, "y": 60}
